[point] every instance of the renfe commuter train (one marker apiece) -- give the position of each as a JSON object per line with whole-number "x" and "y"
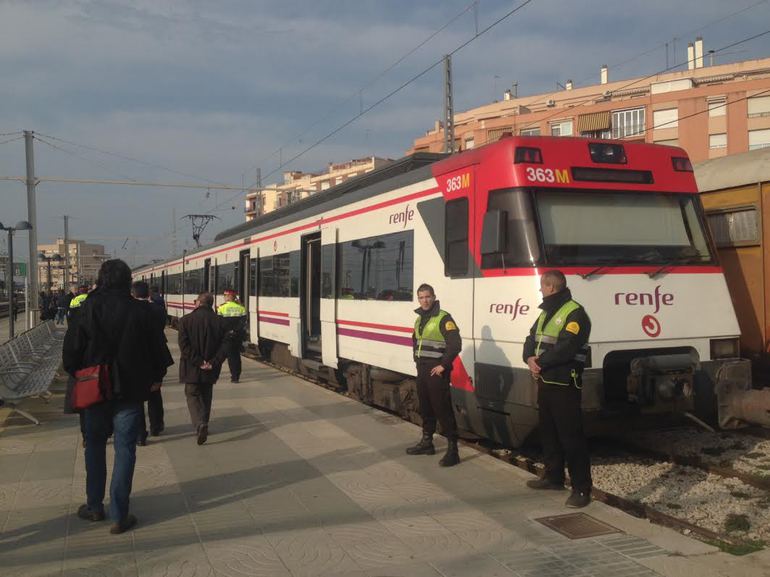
{"x": 330, "y": 281}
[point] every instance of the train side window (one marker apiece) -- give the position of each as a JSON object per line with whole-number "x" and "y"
{"x": 328, "y": 270}
{"x": 456, "y": 238}
{"x": 521, "y": 244}
{"x": 735, "y": 227}
{"x": 376, "y": 268}
{"x": 253, "y": 277}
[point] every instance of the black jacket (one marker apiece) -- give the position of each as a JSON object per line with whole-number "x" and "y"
{"x": 201, "y": 338}
{"x": 557, "y": 362}
{"x": 451, "y": 337}
{"x": 114, "y": 328}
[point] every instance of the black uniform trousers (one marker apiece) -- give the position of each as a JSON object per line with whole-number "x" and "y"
{"x": 234, "y": 358}
{"x": 155, "y": 412}
{"x": 199, "y": 397}
{"x": 562, "y": 436}
{"x": 435, "y": 400}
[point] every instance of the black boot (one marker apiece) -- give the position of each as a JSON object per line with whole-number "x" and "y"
{"x": 452, "y": 456}
{"x": 424, "y": 447}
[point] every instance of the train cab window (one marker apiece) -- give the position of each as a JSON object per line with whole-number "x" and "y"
{"x": 620, "y": 227}
{"x": 521, "y": 242}
{"x": 377, "y": 268}
{"x": 456, "y": 238}
{"x": 735, "y": 226}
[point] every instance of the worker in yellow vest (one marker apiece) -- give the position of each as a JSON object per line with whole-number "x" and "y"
{"x": 234, "y": 315}
{"x": 436, "y": 342}
{"x": 555, "y": 352}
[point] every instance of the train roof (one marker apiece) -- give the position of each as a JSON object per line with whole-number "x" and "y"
{"x": 390, "y": 170}
{"x": 734, "y": 170}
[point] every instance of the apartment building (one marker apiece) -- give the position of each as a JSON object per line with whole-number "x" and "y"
{"x": 84, "y": 262}
{"x": 709, "y": 110}
{"x": 297, "y": 185}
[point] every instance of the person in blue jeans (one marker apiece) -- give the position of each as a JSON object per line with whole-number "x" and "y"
{"x": 116, "y": 330}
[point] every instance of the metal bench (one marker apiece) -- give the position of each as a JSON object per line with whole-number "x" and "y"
{"x": 28, "y": 364}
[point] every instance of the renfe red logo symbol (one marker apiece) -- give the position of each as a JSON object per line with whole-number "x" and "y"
{"x": 651, "y": 326}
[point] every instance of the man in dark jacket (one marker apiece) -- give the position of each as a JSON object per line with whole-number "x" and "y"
{"x": 115, "y": 329}
{"x": 436, "y": 342}
{"x": 141, "y": 292}
{"x": 201, "y": 341}
{"x": 555, "y": 352}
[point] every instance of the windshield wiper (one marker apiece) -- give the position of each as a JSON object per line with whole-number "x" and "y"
{"x": 606, "y": 264}
{"x": 668, "y": 264}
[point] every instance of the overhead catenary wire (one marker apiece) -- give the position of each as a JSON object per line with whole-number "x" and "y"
{"x": 129, "y": 158}
{"x": 591, "y": 98}
{"x": 81, "y": 157}
{"x": 386, "y": 97}
{"x": 11, "y": 139}
{"x": 368, "y": 84}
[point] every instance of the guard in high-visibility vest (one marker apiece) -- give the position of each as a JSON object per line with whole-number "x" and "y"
{"x": 436, "y": 342}
{"x": 234, "y": 315}
{"x": 555, "y": 352}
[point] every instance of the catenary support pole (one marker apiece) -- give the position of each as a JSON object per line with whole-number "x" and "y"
{"x": 32, "y": 218}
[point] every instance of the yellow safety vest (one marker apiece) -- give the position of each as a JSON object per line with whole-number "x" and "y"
{"x": 77, "y": 301}
{"x": 231, "y": 309}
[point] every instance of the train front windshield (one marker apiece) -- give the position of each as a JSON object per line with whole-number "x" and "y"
{"x": 630, "y": 228}
{"x": 585, "y": 227}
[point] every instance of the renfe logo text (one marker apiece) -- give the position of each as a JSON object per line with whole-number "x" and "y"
{"x": 653, "y": 299}
{"x": 404, "y": 216}
{"x": 509, "y": 309}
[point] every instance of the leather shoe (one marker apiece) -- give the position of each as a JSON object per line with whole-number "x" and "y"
{"x": 578, "y": 499}
{"x": 203, "y": 434}
{"x": 123, "y": 525}
{"x": 545, "y": 484}
{"x": 88, "y": 515}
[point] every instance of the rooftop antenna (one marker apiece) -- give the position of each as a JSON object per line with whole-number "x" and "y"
{"x": 199, "y": 222}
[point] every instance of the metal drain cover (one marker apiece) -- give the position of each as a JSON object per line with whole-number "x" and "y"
{"x": 577, "y": 525}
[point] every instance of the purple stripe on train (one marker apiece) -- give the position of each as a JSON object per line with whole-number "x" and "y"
{"x": 284, "y": 322}
{"x": 392, "y": 339}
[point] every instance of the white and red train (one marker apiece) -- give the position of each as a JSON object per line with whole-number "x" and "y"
{"x": 329, "y": 282}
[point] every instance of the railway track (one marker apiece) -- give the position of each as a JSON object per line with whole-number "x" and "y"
{"x": 700, "y": 483}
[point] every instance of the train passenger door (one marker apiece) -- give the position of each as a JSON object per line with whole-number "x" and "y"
{"x": 253, "y": 290}
{"x": 328, "y": 296}
{"x": 242, "y": 278}
{"x": 310, "y": 295}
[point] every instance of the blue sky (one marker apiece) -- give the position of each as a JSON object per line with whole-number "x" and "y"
{"x": 212, "y": 90}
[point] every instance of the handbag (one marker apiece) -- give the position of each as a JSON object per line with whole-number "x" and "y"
{"x": 92, "y": 386}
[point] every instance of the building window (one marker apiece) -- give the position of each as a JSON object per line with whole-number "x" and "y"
{"x": 668, "y": 118}
{"x": 607, "y": 133}
{"x": 717, "y": 106}
{"x": 759, "y": 138}
{"x": 561, "y": 128}
{"x": 469, "y": 143}
{"x": 734, "y": 227}
{"x": 718, "y": 140}
{"x": 377, "y": 268}
{"x": 530, "y": 131}
{"x": 759, "y": 106}
{"x": 628, "y": 123}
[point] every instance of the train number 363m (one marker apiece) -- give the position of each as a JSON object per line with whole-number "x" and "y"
{"x": 547, "y": 175}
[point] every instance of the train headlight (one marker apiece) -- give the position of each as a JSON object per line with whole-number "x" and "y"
{"x": 725, "y": 349}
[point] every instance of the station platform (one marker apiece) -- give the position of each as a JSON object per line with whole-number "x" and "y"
{"x": 296, "y": 480}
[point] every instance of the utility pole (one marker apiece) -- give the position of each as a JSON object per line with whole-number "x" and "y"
{"x": 449, "y": 116}
{"x": 32, "y": 219}
{"x": 66, "y": 252}
{"x": 173, "y": 231}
